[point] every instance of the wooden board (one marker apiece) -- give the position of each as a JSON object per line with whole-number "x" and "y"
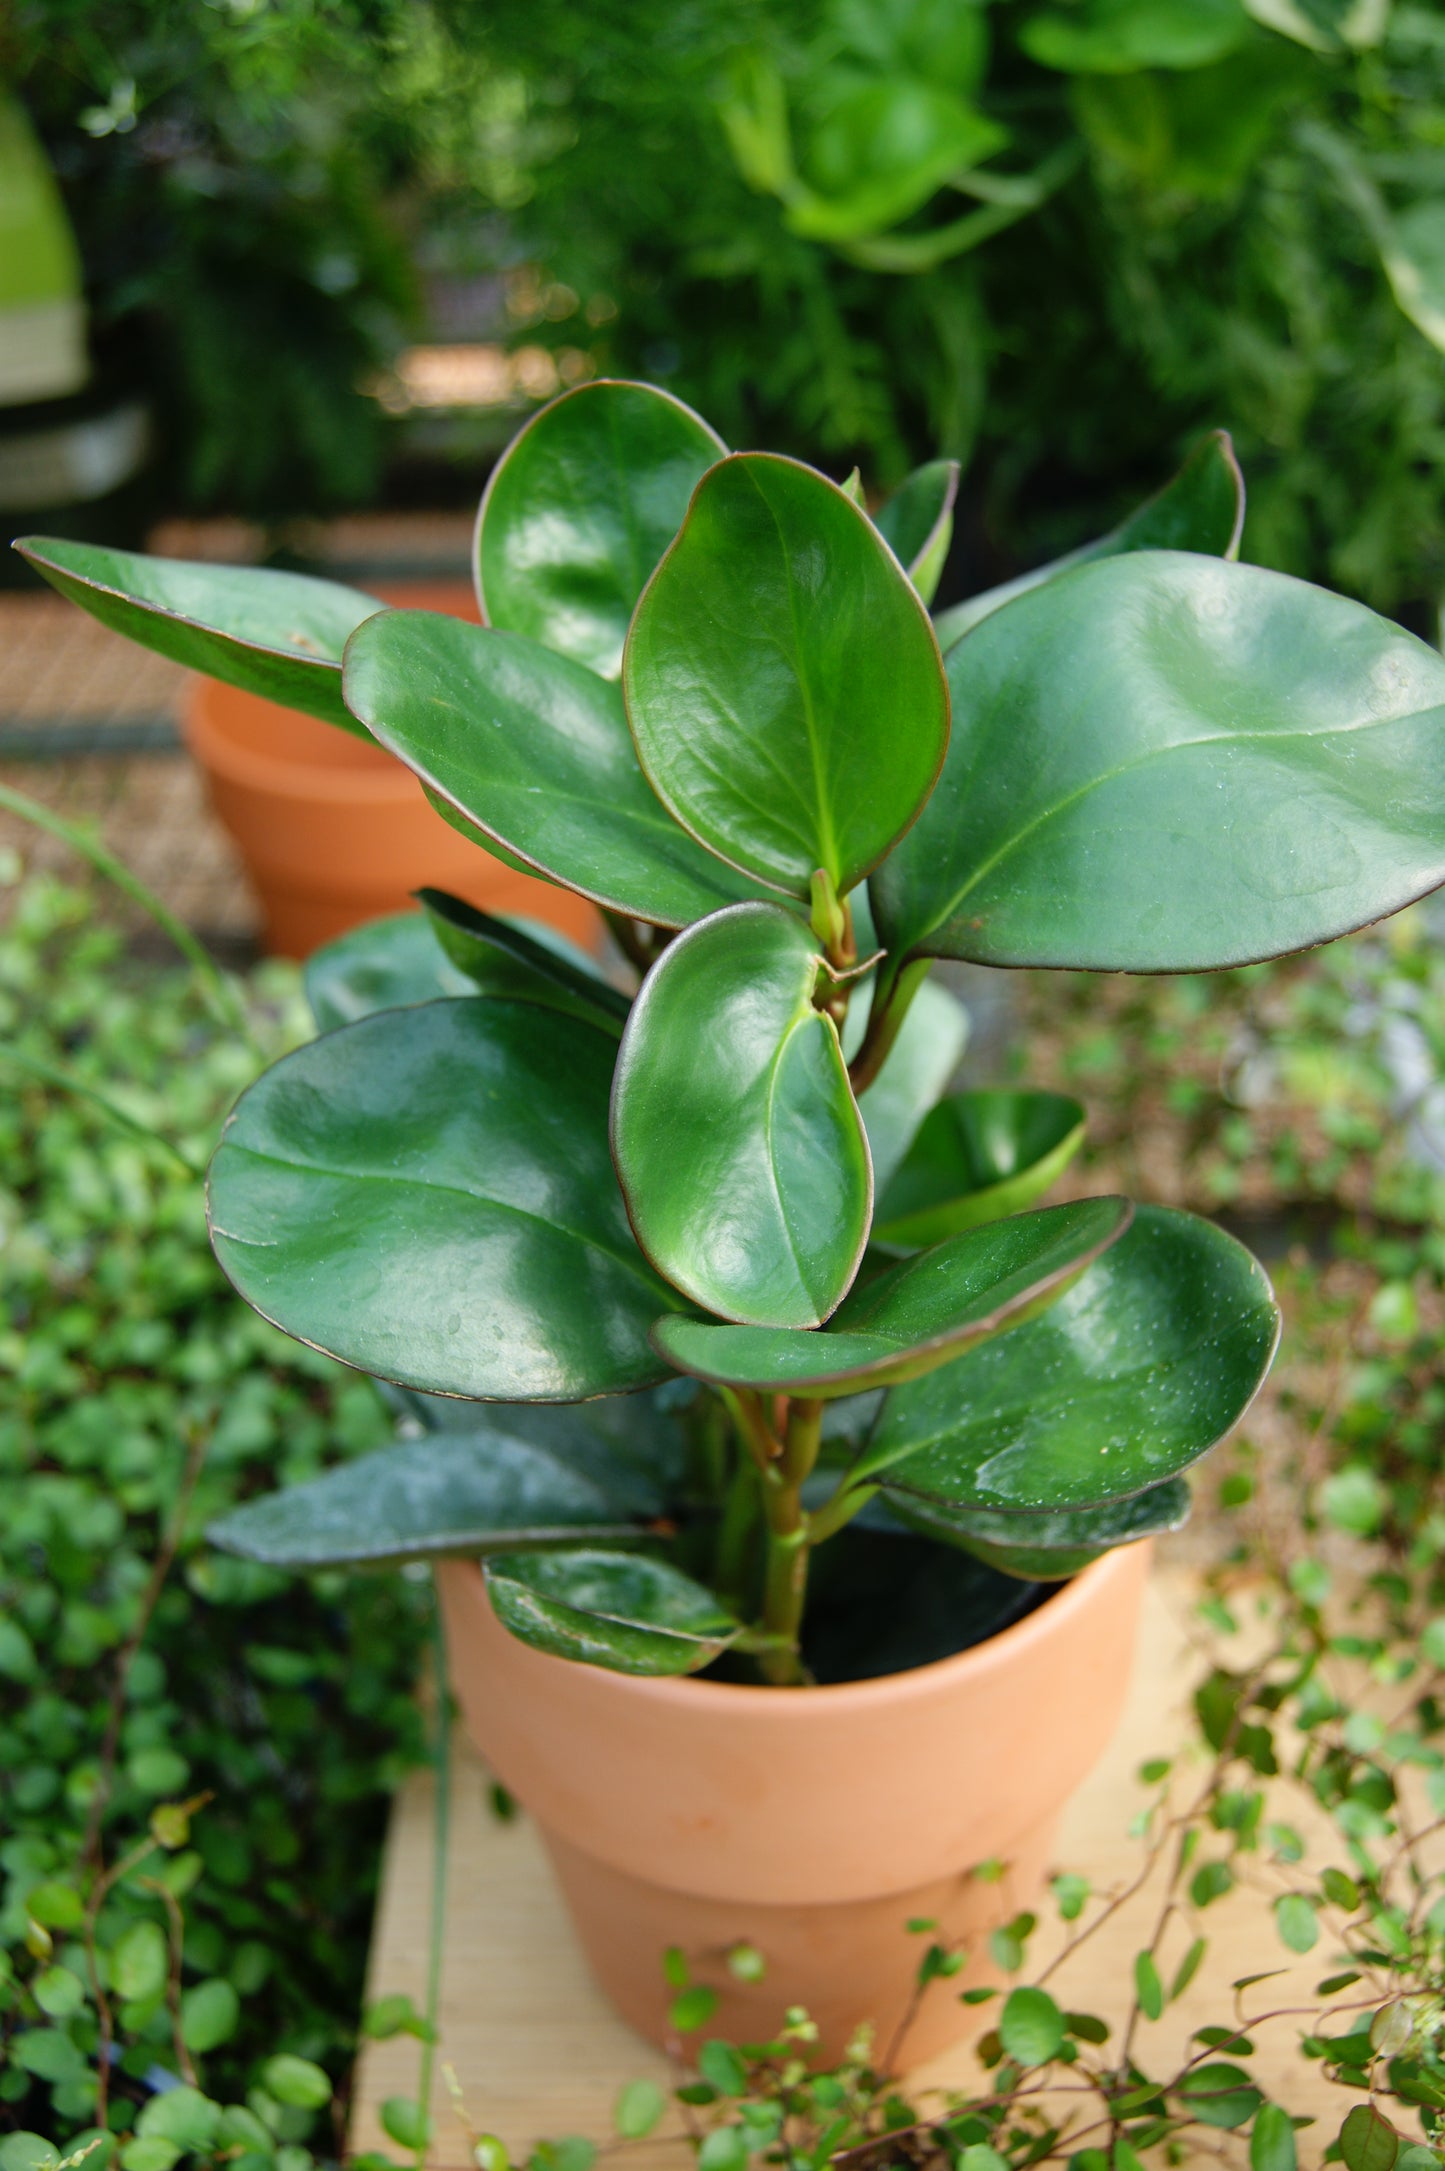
{"x": 536, "y": 2052}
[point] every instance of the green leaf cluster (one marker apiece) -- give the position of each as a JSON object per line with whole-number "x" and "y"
{"x": 708, "y": 695}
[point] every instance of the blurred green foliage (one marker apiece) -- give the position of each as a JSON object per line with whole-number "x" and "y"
{"x": 1056, "y": 238}
{"x": 195, "y": 1755}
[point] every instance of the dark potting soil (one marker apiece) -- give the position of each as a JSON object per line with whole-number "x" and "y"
{"x": 881, "y": 1602}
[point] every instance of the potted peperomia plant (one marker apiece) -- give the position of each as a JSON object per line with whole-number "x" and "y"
{"x": 805, "y": 1613}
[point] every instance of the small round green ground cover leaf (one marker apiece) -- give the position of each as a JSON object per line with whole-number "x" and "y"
{"x": 920, "y": 1063}
{"x": 427, "y": 1195}
{"x": 1219, "y": 2095}
{"x": 1031, "y": 2027}
{"x": 1201, "y": 508}
{"x": 279, "y": 635}
{"x": 529, "y": 960}
{"x": 737, "y": 1140}
{"x": 533, "y": 750}
{"x": 917, "y": 523}
{"x": 579, "y": 509}
{"x": 384, "y": 964}
{"x": 976, "y": 1157}
{"x": 783, "y": 683}
{"x": 914, "y": 1317}
{"x": 625, "y": 1611}
{"x": 1118, "y": 37}
{"x": 1045, "y": 1548}
{"x": 1166, "y": 763}
{"x": 520, "y": 1477}
{"x": 1271, "y": 2140}
{"x": 1367, "y": 2140}
{"x": 1132, "y": 1375}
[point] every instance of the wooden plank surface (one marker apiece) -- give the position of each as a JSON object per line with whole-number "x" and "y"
{"x": 536, "y": 2052}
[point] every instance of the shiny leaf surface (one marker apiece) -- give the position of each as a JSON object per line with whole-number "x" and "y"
{"x": 976, "y": 1157}
{"x": 279, "y": 635}
{"x": 1127, "y": 1379}
{"x": 625, "y": 1611}
{"x": 783, "y": 683}
{"x": 579, "y": 509}
{"x": 736, "y": 1136}
{"x": 1201, "y": 508}
{"x": 1047, "y": 1548}
{"x": 519, "y": 1477}
{"x": 920, "y": 1063}
{"x": 530, "y": 961}
{"x": 1166, "y": 763}
{"x": 381, "y": 965}
{"x": 534, "y": 750}
{"x": 917, "y": 523}
{"x": 427, "y": 1195}
{"x": 914, "y": 1317}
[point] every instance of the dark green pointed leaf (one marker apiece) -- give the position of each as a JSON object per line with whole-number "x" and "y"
{"x": 737, "y": 1139}
{"x": 1047, "y": 1548}
{"x": 976, "y": 1157}
{"x": 504, "y": 957}
{"x": 1166, "y": 763}
{"x": 625, "y": 1611}
{"x": 1137, "y": 1371}
{"x": 1201, "y": 509}
{"x": 279, "y": 635}
{"x": 920, "y": 1063}
{"x": 427, "y": 1195}
{"x": 917, "y": 522}
{"x": 381, "y": 965}
{"x": 916, "y": 1316}
{"x": 520, "y": 1477}
{"x": 782, "y": 679}
{"x": 579, "y": 509}
{"x": 533, "y": 750}
{"x": 1119, "y": 37}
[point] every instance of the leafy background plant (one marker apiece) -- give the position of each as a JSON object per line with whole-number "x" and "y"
{"x": 1230, "y": 242}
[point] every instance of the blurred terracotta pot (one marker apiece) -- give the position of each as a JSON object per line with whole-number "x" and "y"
{"x": 331, "y": 829}
{"x": 811, "y": 1823}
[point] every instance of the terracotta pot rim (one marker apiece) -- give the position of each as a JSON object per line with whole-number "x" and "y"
{"x": 288, "y": 779}
{"x": 919, "y": 1682}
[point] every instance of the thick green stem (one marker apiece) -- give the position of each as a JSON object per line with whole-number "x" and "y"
{"x": 786, "y": 1579}
{"x": 828, "y": 1520}
{"x": 893, "y": 993}
{"x": 741, "y": 1509}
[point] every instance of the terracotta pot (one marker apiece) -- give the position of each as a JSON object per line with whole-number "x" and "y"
{"x": 812, "y": 1823}
{"x": 334, "y": 831}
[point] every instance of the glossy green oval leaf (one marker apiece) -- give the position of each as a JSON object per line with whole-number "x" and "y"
{"x": 913, "y": 1318}
{"x": 1118, "y": 37}
{"x": 1166, "y": 763}
{"x": 427, "y": 1195}
{"x": 1201, "y": 508}
{"x": 520, "y": 1477}
{"x": 917, "y": 523}
{"x": 976, "y": 1157}
{"x": 527, "y": 960}
{"x": 1047, "y": 1548}
{"x": 381, "y": 965}
{"x": 783, "y": 684}
{"x": 579, "y": 509}
{"x": 534, "y": 751}
{"x": 737, "y": 1139}
{"x": 625, "y": 1611}
{"x": 279, "y": 635}
{"x": 920, "y": 1063}
{"x": 1137, "y": 1371}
